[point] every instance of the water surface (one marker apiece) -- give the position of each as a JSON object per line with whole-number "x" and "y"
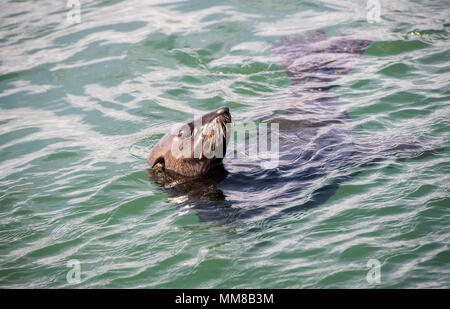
{"x": 81, "y": 106}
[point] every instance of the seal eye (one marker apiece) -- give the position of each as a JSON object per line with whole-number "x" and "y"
{"x": 159, "y": 160}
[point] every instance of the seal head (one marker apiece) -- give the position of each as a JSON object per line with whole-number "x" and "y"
{"x": 195, "y": 147}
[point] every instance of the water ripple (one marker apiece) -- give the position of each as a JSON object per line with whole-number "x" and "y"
{"x": 82, "y": 105}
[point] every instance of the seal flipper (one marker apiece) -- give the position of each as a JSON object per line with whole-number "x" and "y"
{"x": 313, "y": 62}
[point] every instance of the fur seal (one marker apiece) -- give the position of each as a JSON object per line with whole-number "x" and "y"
{"x": 196, "y": 147}
{"x": 317, "y": 146}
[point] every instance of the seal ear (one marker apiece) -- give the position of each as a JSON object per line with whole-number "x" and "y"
{"x": 159, "y": 160}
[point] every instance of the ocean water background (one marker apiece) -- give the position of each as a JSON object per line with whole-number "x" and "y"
{"x": 82, "y": 104}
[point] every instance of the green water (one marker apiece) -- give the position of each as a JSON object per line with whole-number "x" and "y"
{"x": 81, "y": 106}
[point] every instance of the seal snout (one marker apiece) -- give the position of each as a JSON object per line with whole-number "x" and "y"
{"x": 223, "y": 110}
{"x": 222, "y": 113}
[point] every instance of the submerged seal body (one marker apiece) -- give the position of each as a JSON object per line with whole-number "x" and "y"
{"x": 312, "y": 64}
{"x": 318, "y": 149}
{"x": 196, "y": 147}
